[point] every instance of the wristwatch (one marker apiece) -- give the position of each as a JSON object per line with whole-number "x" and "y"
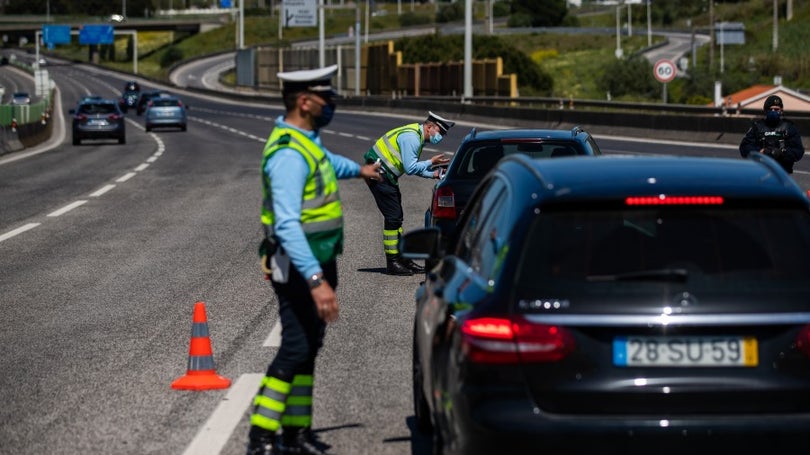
{"x": 315, "y": 280}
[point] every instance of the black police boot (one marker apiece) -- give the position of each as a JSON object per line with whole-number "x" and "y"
{"x": 302, "y": 441}
{"x": 395, "y": 265}
{"x": 261, "y": 446}
{"x": 413, "y": 266}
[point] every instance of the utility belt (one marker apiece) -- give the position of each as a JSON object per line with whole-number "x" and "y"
{"x": 371, "y": 157}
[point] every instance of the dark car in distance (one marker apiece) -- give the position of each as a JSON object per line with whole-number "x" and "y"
{"x": 481, "y": 150}
{"x": 146, "y": 97}
{"x": 614, "y": 305}
{"x": 95, "y": 118}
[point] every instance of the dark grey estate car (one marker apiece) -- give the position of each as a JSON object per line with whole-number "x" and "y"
{"x": 481, "y": 150}
{"x": 97, "y": 118}
{"x": 618, "y": 305}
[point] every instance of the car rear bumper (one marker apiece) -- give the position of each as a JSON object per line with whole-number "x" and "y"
{"x": 521, "y": 428}
{"x": 98, "y": 132}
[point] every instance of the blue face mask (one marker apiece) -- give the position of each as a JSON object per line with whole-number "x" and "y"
{"x": 773, "y": 117}
{"x": 327, "y": 112}
{"x": 436, "y": 138}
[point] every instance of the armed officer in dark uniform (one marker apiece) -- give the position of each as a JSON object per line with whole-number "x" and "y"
{"x": 774, "y": 136}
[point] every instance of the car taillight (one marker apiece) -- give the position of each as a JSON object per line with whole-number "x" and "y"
{"x": 505, "y": 340}
{"x": 114, "y": 117}
{"x": 81, "y": 117}
{"x": 663, "y": 199}
{"x": 803, "y": 340}
{"x": 444, "y": 203}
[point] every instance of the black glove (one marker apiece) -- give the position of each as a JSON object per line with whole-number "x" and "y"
{"x": 774, "y": 153}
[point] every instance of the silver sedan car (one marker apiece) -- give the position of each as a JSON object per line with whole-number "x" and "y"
{"x": 165, "y": 112}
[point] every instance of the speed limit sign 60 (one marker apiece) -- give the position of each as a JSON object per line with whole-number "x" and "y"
{"x": 664, "y": 70}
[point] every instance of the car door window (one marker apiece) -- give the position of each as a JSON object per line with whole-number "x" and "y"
{"x": 480, "y": 238}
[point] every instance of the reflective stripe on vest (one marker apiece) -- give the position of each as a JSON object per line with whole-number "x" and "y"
{"x": 388, "y": 150}
{"x": 321, "y": 209}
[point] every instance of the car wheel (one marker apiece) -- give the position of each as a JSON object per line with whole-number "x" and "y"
{"x": 421, "y": 409}
{"x": 182, "y": 127}
{"x": 148, "y": 128}
{"x": 76, "y": 141}
{"x": 122, "y": 140}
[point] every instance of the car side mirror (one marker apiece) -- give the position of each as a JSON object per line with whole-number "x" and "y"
{"x": 421, "y": 244}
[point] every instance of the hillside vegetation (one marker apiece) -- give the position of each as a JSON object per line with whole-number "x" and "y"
{"x": 548, "y": 62}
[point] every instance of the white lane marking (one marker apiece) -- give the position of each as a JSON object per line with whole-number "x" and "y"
{"x": 66, "y": 208}
{"x": 152, "y": 159}
{"x": 274, "y": 338}
{"x": 125, "y": 177}
{"x": 214, "y": 434}
{"x": 18, "y": 231}
{"x": 142, "y": 167}
{"x": 102, "y": 190}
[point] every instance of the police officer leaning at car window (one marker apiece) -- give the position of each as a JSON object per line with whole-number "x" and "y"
{"x": 774, "y": 136}
{"x": 303, "y": 222}
{"x": 398, "y": 151}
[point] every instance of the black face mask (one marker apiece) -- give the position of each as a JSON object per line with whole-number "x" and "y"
{"x": 772, "y": 118}
{"x": 327, "y": 112}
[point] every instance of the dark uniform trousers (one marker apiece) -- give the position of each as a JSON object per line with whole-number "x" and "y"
{"x": 389, "y": 200}
{"x": 302, "y": 331}
{"x": 302, "y": 334}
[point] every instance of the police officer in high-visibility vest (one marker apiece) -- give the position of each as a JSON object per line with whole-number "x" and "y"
{"x": 303, "y": 225}
{"x": 774, "y": 136}
{"x": 398, "y": 152}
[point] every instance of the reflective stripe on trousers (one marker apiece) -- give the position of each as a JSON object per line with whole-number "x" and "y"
{"x": 391, "y": 241}
{"x": 269, "y": 404}
{"x": 298, "y": 412}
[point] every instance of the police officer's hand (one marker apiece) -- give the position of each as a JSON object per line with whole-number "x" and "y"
{"x": 438, "y": 160}
{"x": 325, "y": 301}
{"x": 371, "y": 171}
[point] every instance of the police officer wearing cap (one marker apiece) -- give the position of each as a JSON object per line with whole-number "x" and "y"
{"x": 398, "y": 152}
{"x": 303, "y": 225}
{"x": 774, "y": 136}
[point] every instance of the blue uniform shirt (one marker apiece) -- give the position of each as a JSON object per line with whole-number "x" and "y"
{"x": 409, "y": 146}
{"x": 288, "y": 172}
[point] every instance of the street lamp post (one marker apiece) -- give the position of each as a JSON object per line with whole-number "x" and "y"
{"x": 775, "y": 24}
{"x": 468, "y": 85}
{"x": 619, "y": 51}
{"x": 649, "y": 24}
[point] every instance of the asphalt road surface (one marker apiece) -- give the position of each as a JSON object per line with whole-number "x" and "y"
{"x": 105, "y": 248}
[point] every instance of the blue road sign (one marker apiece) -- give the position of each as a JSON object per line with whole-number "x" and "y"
{"x": 224, "y": 3}
{"x": 96, "y": 34}
{"x": 56, "y": 34}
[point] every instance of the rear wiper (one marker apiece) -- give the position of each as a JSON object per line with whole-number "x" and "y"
{"x": 674, "y": 275}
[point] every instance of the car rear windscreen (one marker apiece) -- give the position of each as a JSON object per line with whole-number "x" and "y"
{"x": 716, "y": 250}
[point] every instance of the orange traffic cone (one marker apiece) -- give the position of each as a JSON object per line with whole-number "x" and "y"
{"x": 201, "y": 374}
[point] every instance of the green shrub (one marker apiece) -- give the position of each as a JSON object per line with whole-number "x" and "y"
{"x": 450, "y": 13}
{"x": 172, "y": 55}
{"x": 500, "y": 9}
{"x": 409, "y": 19}
{"x": 629, "y": 77}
